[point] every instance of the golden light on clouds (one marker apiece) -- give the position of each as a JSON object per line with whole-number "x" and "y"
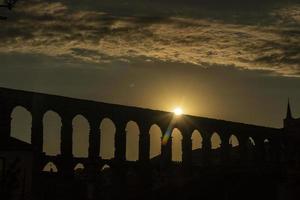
{"x": 97, "y": 37}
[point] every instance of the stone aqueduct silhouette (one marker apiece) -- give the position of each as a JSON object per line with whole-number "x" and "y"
{"x": 67, "y": 108}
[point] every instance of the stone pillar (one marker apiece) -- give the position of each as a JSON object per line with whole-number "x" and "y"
{"x": 144, "y": 144}
{"x": 66, "y": 158}
{"x": 225, "y": 149}
{"x": 120, "y": 141}
{"x": 166, "y": 148}
{"x": 259, "y": 150}
{"x": 186, "y": 150}
{"x": 94, "y": 139}
{"x": 243, "y": 144}
{"x": 206, "y": 146}
{"x": 275, "y": 150}
{"x": 66, "y": 137}
{"x": 37, "y": 131}
{"x": 37, "y": 143}
{"x": 144, "y": 157}
{"x": 91, "y": 167}
{"x": 5, "y": 120}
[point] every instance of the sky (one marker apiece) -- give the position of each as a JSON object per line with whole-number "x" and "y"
{"x": 225, "y": 59}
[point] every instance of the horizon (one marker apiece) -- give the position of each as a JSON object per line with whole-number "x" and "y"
{"x": 149, "y": 109}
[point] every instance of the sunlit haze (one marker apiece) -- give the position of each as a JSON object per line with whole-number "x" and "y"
{"x": 178, "y": 111}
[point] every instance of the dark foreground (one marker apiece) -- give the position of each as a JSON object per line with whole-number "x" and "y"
{"x": 210, "y": 183}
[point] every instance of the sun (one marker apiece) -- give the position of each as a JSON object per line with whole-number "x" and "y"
{"x": 178, "y": 111}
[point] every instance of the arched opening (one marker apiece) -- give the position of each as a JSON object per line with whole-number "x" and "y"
{"x": 155, "y": 140}
{"x": 267, "y": 149}
{"x": 176, "y": 145}
{"x": 80, "y": 136}
{"x": 196, "y": 140}
{"x": 51, "y": 133}
{"x": 251, "y": 141}
{"x": 50, "y": 167}
{"x": 216, "y": 148}
{"x": 266, "y": 141}
{"x": 197, "y": 156}
{"x": 21, "y": 124}
{"x": 234, "y": 154}
{"x": 233, "y": 141}
{"x": 105, "y": 167}
{"x": 251, "y": 149}
{"x": 132, "y": 141}
{"x": 106, "y": 173}
{"x": 215, "y": 141}
{"x": 79, "y": 167}
{"x": 107, "y": 146}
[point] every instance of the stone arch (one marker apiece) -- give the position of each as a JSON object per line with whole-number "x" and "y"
{"x": 234, "y": 151}
{"x": 155, "y": 140}
{"x": 176, "y": 145}
{"x": 108, "y": 132}
{"x": 80, "y": 136}
{"x": 107, "y": 176}
{"x": 251, "y": 141}
{"x": 79, "y": 170}
{"x": 79, "y": 167}
{"x": 197, "y": 140}
{"x": 50, "y": 167}
{"x": 266, "y": 140}
{"x": 51, "y": 133}
{"x": 21, "y": 122}
{"x": 233, "y": 141}
{"x": 251, "y": 149}
{"x": 215, "y": 156}
{"x": 105, "y": 167}
{"x": 132, "y": 141}
{"x": 267, "y": 149}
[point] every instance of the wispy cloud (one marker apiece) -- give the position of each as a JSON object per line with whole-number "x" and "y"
{"x": 53, "y": 29}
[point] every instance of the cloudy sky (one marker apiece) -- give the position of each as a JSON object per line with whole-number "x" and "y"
{"x": 228, "y": 59}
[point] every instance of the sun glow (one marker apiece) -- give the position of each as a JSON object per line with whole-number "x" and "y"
{"x": 177, "y": 111}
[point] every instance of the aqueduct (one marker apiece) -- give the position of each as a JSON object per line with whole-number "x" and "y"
{"x": 267, "y": 142}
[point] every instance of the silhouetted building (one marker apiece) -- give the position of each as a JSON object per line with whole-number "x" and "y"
{"x": 265, "y": 164}
{"x": 292, "y": 132}
{"x": 291, "y": 124}
{"x": 17, "y": 158}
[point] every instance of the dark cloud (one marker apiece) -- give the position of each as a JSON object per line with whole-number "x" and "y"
{"x": 263, "y": 36}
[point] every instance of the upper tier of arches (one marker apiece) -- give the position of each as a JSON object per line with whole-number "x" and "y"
{"x": 66, "y": 109}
